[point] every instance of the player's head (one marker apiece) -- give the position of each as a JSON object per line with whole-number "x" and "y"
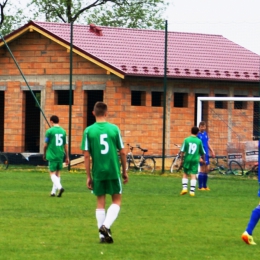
{"x": 100, "y": 109}
{"x": 202, "y": 126}
{"x": 54, "y": 119}
{"x": 194, "y": 130}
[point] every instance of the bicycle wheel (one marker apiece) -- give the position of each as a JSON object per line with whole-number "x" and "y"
{"x": 4, "y": 163}
{"x": 236, "y": 168}
{"x": 175, "y": 164}
{"x": 253, "y": 172}
{"x": 130, "y": 164}
{"x": 127, "y": 164}
{"x": 148, "y": 165}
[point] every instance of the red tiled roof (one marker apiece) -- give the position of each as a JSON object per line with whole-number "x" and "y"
{"x": 139, "y": 52}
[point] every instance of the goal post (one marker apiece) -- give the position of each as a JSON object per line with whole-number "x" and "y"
{"x": 233, "y": 130}
{"x": 200, "y": 99}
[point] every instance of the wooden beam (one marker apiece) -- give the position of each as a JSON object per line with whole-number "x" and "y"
{"x": 75, "y": 161}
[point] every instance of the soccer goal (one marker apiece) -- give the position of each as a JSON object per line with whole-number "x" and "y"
{"x": 233, "y": 126}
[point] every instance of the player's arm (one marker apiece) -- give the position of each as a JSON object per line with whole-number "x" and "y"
{"x": 182, "y": 153}
{"x": 182, "y": 158}
{"x": 202, "y": 153}
{"x": 87, "y": 167}
{"x": 84, "y": 147}
{"x": 45, "y": 145}
{"x": 211, "y": 150}
{"x": 67, "y": 159}
{"x": 44, "y": 151}
{"x": 65, "y": 147}
{"x": 122, "y": 154}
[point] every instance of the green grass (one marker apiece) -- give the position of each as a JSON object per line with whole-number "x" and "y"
{"x": 155, "y": 222}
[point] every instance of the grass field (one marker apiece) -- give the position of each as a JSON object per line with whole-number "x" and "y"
{"x": 155, "y": 222}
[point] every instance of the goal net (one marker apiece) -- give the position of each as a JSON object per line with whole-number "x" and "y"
{"x": 233, "y": 126}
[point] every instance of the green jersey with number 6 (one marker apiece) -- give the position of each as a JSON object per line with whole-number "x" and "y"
{"x": 55, "y": 137}
{"x": 103, "y": 140}
{"x": 193, "y": 149}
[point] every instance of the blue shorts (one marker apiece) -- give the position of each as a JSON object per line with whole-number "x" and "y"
{"x": 206, "y": 160}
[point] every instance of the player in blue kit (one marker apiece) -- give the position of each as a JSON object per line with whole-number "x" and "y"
{"x": 204, "y": 168}
{"x": 255, "y": 216}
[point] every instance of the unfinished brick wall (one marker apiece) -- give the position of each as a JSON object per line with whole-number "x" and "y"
{"x": 46, "y": 63}
{"x": 14, "y": 118}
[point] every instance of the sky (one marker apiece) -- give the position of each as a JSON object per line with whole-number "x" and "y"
{"x": 236, "y": 20}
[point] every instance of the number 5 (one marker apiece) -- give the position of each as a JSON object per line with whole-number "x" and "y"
{"x": 105, "y": 143}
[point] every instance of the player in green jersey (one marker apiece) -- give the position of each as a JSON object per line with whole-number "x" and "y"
{"x": 102, "y": 142}
{"x": 191, "y": 150}
{"x": 55, "y": 148}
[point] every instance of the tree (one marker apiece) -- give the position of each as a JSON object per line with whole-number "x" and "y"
{"x": 66, "y": 11}
{"x": 2, "y": 16}
{"x": 127, "y": 13}
{"x": 10, "y": 18}
{"x": 142, "y": 14}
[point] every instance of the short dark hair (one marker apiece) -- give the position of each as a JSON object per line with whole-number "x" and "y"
{"x": 100, "y": 108}
{"x": 202, "y": 123}
{"x": 194, "y": 130}
{"x": 54, "y": 119}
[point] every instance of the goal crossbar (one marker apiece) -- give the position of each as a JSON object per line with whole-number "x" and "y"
{"x": 200, "y": 99}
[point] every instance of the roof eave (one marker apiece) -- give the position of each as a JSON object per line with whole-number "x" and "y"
{"x": 192, "y": 78}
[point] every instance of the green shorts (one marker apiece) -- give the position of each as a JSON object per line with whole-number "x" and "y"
{"x": 110, "y": 187}
{"x": 193, "y": 169}
{"x": 55, "y": 166}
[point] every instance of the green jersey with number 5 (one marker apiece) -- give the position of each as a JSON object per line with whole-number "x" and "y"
{"x": 193, "y": 149}
{"x": 103, "y": 141}
{"x": 55, "y": 137}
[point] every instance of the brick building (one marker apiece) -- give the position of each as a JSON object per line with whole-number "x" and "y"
{"x": 125, "y": 69}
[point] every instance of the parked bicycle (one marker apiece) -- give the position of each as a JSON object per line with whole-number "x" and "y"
{"x": 234, "y": 167}
{"x": 253, "y": 172}
{"x": 142, "y": 162}
{"x": 4, "y": 163}
{"x": 176, "y": 162}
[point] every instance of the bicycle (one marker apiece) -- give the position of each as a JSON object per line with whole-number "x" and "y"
{"x": 253, "y": 172}
{"x": 141, "y": 163}
{"x": 4, "y": 162}
{"x": 176, "y": 162}
{"x": 234, "y": 167}
{"x": 217, "y": 167}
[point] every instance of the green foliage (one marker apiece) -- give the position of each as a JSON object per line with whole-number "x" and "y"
{"x": 12, "y": 17}
{"x": 155, "y": 222}
{"x": 13, "y": 22}
{"x": 119, "y": 13}
{"x": 57, "y": 10}
{"x": 135, "y": 14}
{"x": 131, "y": 14}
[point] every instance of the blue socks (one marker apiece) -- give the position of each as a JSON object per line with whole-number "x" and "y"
{"x": 205, "y": 180}
{"x": 202, "y": 179}
{"x": 253, "y": 220}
